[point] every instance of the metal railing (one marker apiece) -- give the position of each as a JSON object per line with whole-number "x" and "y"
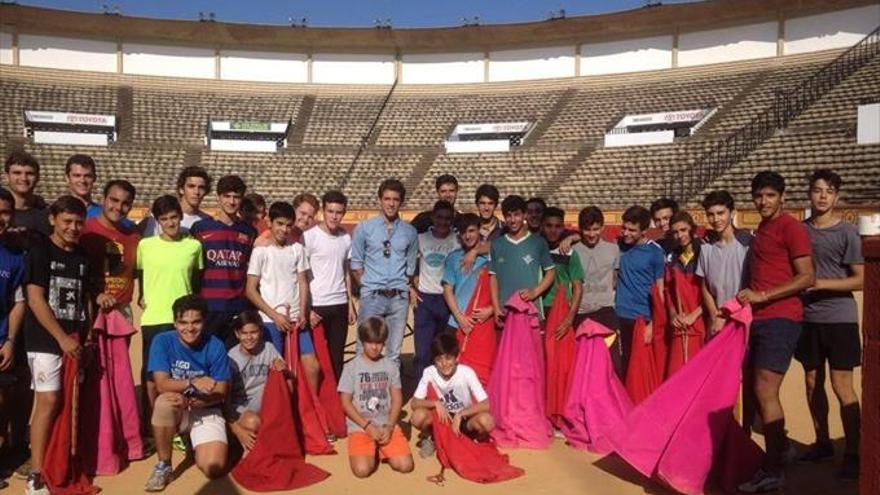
{"x": 787, "y": 106}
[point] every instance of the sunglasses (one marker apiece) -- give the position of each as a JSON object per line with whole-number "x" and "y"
{"x": 387, "y": 248}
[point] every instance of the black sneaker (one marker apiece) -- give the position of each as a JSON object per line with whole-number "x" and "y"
{"x": 816, "y": 453}
{"x": 849, "y": 468}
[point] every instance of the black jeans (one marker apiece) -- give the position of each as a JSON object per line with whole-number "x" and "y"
{"x": 335, "y": 320}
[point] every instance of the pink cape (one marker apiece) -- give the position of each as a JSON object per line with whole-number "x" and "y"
{"x": 110, "y": 421}
{"x": 685, "y": 429}
{"x": 597, "y": 400}
{"x": 516, "y": 388}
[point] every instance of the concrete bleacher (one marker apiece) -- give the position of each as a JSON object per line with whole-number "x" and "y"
{"x": 562, "y": 160}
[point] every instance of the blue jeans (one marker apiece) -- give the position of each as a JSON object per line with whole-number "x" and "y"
{"x": 276, "y": 337}
{"x": 394, "y": 311}
{"x": 431, "y": 317}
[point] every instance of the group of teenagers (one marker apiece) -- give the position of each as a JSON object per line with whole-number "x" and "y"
{"x": 499, "y": 308}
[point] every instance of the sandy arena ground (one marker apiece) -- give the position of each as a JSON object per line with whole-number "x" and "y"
{"x": 559, "y": 470}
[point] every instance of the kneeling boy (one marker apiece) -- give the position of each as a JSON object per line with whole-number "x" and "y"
{"x": 462, "y": 399}
{"x": 249, "y": 362}
{"x": 369, "y": 389}
{"x": 191, "y": 372}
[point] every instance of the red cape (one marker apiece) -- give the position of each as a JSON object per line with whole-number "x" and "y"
{"x": 276, "y": 463}
{"x": 313, "y": 417}
{"x": 683, "y": 294}
{"x": 560, "y": 358}
{"x": 63, "y": 468}
{"x": 660, "y": 324}
{"x": 472, "y": 460}
{"x": 641, "y": 376}
{"x": 478, "y": 347}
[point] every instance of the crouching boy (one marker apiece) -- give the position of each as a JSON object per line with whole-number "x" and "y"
{"x": 462, "y": 400}
{"x": 191, "y": 372}
{"x": 369, "y": 389}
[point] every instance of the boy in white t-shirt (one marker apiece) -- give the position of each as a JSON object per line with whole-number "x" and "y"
{"x": 462, "y": 399}
{"x": 278, "y": 287}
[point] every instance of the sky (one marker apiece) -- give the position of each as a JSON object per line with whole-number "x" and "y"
{"x": 352, "y": 13}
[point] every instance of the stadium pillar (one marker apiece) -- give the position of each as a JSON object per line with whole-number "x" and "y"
{"x": 780, "y": 36}
{"x": 675, "y": 49}
{"x": 869, "y": 483}
{"x": 15, "y": 54}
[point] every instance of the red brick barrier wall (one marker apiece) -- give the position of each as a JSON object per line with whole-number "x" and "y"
{"x": 870, "y": 444}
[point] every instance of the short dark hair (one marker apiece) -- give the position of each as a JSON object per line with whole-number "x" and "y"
{"x": 334, "y": 196}
{"x": 82, "y": 160}
{"x": 538, "y": 200}
{"x": 553, "y": 212}
{"x": 121, "y": 184}
{"x": 465, "y": 220}
{"x": 444, "y": 344}
{"x": 67, "y": 204}
{"x": 256, "y": 199}
{"x": 445, "y": 179}
{"x": 5, "y": 195}
{"x": 373, "y": 330}
{"x": 768, "y": 178}
{"x": 828, "y": 176}
{"x": 189, "y": 302}
{"x": 513, "y": 203}
{"x": 247, "y": 317}
{"x": 684, "y": 216}
{"x": 489, "y": 191}
{"x": 719, "y": 198}
{"x": 165, "y": 204}
{"x": 392, "y": 184}
{"x": 281, "y": 209}
{"x": 637, "y": 215}
{"x": 306, "y": 198}
{"x": 589, "y": 216}
{"x": 231, "y": 183}
{"x": 23, "y": 159}
{"x": 443, "y": 205}
{"x": 193, "y": 171}
{"x": 664, "y": 203}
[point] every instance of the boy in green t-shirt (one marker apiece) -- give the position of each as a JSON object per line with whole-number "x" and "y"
{"x": 519, "y": 260}
{"x": 569, "y": 272}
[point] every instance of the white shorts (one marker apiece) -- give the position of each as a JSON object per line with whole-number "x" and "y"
{"x": 204, "y": 425}
{"x": 46, "y": 371}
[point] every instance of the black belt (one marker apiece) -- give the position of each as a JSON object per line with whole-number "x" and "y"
{"x": 389, "y": 292}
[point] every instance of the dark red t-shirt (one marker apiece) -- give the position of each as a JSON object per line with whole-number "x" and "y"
{"x": 777, "y": 243}
{"x": 113, "y": 258}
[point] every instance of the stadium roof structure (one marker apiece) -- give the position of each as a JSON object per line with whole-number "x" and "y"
{"x": 643, "y": 22}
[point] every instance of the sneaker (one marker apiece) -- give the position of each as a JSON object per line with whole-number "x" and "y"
{"x": 816, "y": 453}
{"x": 762, "y": 482}
{"x": 35, "y": 485}
{"x": 24, "y": 471}
{"x": 159, "y": 478}
{"x": 426, "y": 447}
{"x": 849, "y": 468}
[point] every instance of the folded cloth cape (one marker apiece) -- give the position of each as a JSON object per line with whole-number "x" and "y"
{"x": 328, "y": 397}
{"x": 560, "y": 358}
{"x": 686, "y": 429}
{"x": 276, "y": 462}
{"x": 478, "y": 347}
{"x": 473, "y": 460}
{"x": 642, "y": 377}
{"x": 313, "y": 420}
{"x": 597, "y": 400}
{"x": 516, "y": 389}
{"x": 660, "y": 328}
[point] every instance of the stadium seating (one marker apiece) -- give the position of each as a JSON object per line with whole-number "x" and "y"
{"x": 562, "y": 159}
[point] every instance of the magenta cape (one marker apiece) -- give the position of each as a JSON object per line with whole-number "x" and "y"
{"x": 110, "y": 422}
{"x": 597, "y": 400}
{"x": 516, "y": 387}
{"x": 686, "y": 427}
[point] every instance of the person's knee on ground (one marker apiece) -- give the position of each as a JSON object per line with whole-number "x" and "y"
{"x": 210, "y": 458}
{"x": 421, "y": 418}
{"x": 401, "y": 464}
{"x": 362, "y": 466}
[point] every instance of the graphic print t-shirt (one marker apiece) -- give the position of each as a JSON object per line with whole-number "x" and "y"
{"x": 456, "y": 393}
{"x": 64, "y": 275}
{"x": 369, "y": 383}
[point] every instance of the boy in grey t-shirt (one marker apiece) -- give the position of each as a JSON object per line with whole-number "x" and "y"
{"x": 249, "y": 363}
{"x": 369, "y": 390}
{"x": 831, "y": 328}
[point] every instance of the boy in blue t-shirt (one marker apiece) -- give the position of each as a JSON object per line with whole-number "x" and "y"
{"x": 191, "y": 372}
{"x": 642, "y": 264}
{"x": 520, "y": 261}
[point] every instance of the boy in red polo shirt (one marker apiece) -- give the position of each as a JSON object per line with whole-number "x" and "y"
{"x": 781, "y": 267}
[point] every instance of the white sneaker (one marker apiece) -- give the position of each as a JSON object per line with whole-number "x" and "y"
{"x": 763, "y": 482}
{"x": 35, "y": 485}
{"x": 159, "y": 478}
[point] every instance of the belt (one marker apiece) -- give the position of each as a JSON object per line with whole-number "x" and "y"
{"x": 389, "y": 292}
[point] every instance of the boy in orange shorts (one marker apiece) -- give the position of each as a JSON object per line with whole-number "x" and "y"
{"x": 369, "y": 389}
